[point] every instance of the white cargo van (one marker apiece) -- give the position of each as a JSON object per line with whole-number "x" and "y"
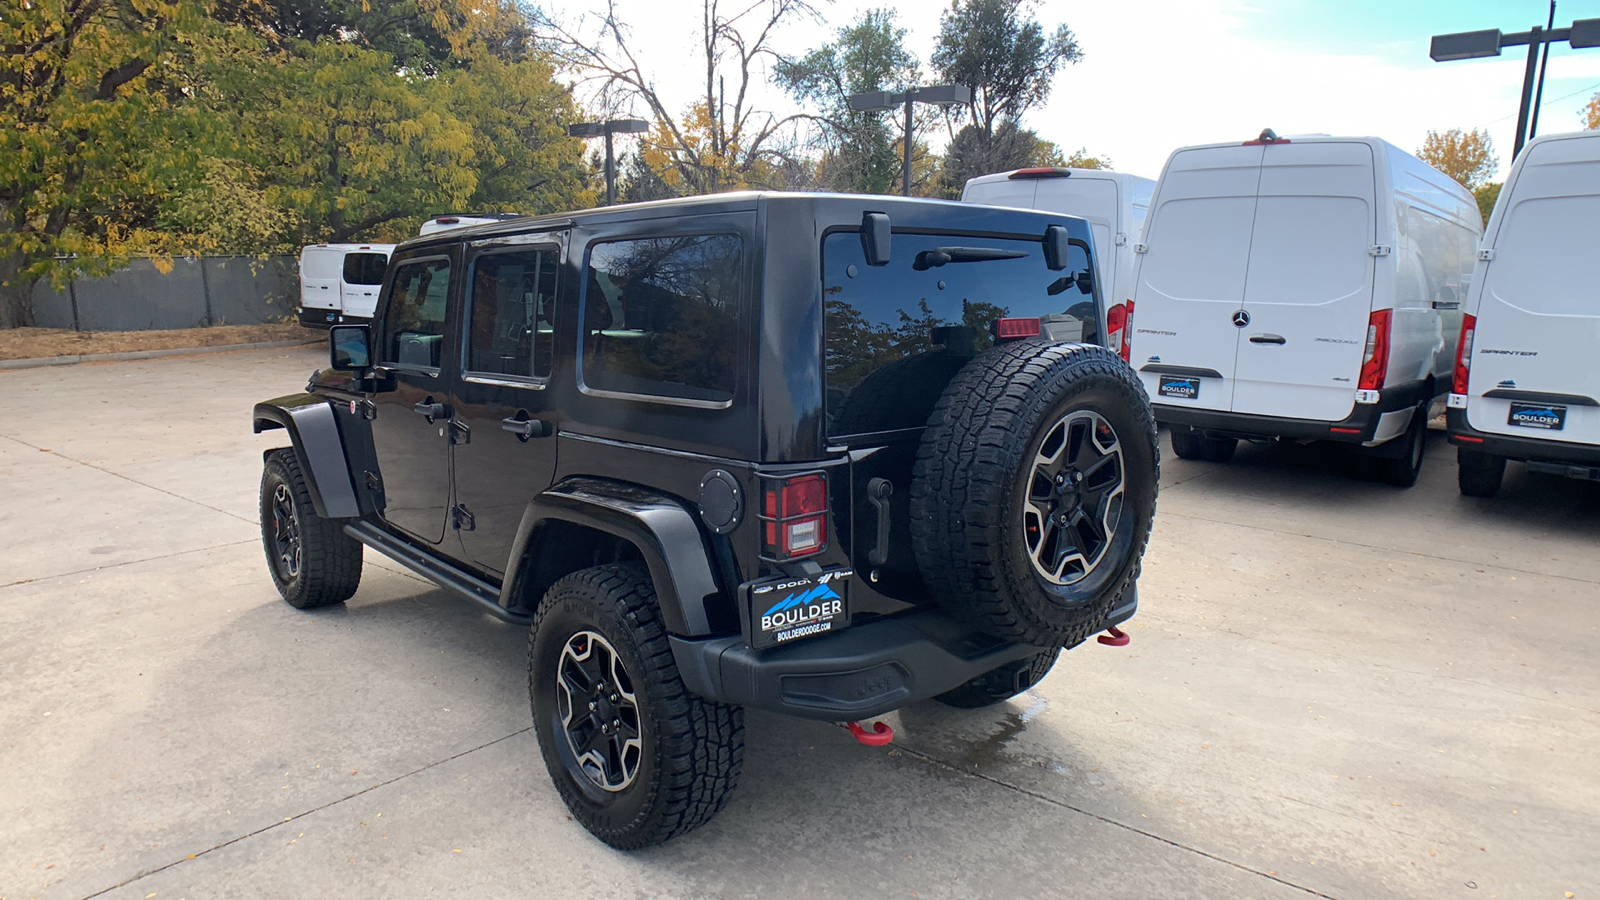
{"x": 1526, "y": 384}
{"x": 340, "y": 282}
{"x": 1304, "y": 288}
{"x": 1114, "y": 203}
{"x": 462, "y": 220}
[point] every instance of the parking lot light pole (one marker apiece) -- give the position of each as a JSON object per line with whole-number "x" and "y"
{"x": 942, "y": 94}
{"x": 1580, "y": 34}
{"x": 607, "y": 129}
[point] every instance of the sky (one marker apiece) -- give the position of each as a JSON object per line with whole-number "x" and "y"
{"x": 1162, "y": 74}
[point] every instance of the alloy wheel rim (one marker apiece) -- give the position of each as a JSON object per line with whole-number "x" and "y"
{"x": 1072, "y": 497}
{"x": 285, "y": 534}
{"x": 599, "y": 711}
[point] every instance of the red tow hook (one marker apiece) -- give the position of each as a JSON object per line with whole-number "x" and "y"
{"x": 1114, "y": 637}
{"x": 880, "y": 735}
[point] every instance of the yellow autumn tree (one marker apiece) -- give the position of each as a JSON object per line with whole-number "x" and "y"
{"x": 1591, "y": 113}
{"x": 1466, "y": 156}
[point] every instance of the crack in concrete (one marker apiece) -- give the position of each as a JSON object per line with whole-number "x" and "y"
{"x": 152, "y": 487}
{"x": 1110, "y": 821}
{"x": 194, "y": 856}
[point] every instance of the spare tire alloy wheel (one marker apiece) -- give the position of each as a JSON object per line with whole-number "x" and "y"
{"x": 1073, "y": 497}
{"x": 599, "y": 712}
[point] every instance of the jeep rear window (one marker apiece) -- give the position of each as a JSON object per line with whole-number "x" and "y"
{"x": 364, "y": 268}
{"x": 661, "y": 317}
{"x": 897, "y": 333}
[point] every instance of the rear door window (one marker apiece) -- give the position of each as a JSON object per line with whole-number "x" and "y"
{"x": 513, "y": 302}
{"x": 896, "y": 334}
{"x": 414, "y": 322}
{"x": 661, "y": 317}
{"x": 364, "y": 268}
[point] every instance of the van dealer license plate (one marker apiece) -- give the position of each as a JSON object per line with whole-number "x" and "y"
{"x": 780, "y": 610}
{"x": 1184, "y": 388}
{"x": 1537, "y": 415}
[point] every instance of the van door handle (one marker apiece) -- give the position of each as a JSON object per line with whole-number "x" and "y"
{"x": 1447, "y": 304}
{"x": 1267, "y": 339}
{"x": 878, "y": 492}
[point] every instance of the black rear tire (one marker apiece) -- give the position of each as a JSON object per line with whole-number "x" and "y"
{"x": 668, "y": 760}
{"x": 1040, "y": 562}
{"x": 1402, "y": 471}
{"x": 1479, "y": 474}
{"x": 1189, "y": 444}
{"x": 1001, "y": 684}
{"x": 312, "y": 561}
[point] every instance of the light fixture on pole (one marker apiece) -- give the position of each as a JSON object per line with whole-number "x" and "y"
{"x": 1478, "y": 44}
{"x": 942, "y": 94}
{"x": 607, "y": 129}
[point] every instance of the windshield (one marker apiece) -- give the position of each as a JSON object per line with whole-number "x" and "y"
{"x": 897, "y": 333}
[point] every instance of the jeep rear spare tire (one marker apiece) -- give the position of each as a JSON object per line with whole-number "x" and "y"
{"x": 1034, "y": 491}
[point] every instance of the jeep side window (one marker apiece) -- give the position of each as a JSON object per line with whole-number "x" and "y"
{"x": 414, "y": 319}
{"x": 513, "y": 301}
{"x": 661, "y": 317}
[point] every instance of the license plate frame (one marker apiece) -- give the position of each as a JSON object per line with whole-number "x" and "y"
{"x": 1538, "y": 416}
{"x": 1179, "y": 387}
{"x": 781, "y": 610}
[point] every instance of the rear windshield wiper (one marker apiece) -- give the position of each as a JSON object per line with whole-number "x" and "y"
{"x": 938, "y": 256}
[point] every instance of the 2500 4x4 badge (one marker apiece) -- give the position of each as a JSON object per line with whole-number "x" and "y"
{"x": 784, "y": 609}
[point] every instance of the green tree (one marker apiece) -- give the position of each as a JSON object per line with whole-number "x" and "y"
{"x": 972, "y": 153}
{"x": 94, "y": 118}
{"x": 860, "y": 150}
{"x": 1487, "y": 196}
{"x": 1466, "y": 156}
{"x": 996, "y": 48}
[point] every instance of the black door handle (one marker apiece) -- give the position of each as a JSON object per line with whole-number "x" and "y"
{"x": 1266, "y": 339}
{"x": 878, "y": 493}
{"x": 430, "y": 411}
{"x": 527, "y": 428}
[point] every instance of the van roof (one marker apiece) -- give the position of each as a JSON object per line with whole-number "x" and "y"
{"x": 1052, "y": 171}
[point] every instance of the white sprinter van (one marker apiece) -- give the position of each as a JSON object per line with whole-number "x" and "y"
{"x": 339, "y": 282}
{"x": 1301, "y": 289}
{"x": 1526, "y": 386}
{"x": 1114, "y": 203}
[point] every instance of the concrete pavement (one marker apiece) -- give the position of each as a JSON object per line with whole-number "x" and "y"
{"x": 1334, "y": 689}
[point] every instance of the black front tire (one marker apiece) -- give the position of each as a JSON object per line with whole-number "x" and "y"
{"x": 1002, "y": 683}
{"x": 688, "y": 751}
{"x": 312, "y": 561}
{"x": 1479, "y": 474}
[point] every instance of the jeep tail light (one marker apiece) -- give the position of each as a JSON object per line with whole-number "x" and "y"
{"x": 794, "y": 516}
{"x": 1119, "y": 329}
{"x": 1012, "y": 329}
{"x": 1458, "y": 384}
{"x": 1375, "y": 358}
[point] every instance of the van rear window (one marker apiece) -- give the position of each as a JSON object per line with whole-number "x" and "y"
{"x": 364, "y": 268}
{"x": 897, "y": 333}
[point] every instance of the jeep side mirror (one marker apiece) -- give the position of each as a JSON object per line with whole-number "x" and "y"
{"x": 1055, "y": 247}
{"x": 348, "y": 347}
{"x": 875, "y": 238}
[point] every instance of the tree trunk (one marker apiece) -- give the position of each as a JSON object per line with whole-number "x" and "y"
{"x": 16, "y": 293}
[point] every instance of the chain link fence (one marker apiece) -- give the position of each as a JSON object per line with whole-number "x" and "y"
{"x": 211, "y": 290}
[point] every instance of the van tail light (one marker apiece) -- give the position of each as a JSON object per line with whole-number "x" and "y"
{"x": 1458, "y": 384}
{"x": 794, "y": 516}
{"x": 1375, "y": 359}
{"x": 1119, "y": 329}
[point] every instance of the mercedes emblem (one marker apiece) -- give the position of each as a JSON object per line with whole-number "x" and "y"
{"x": 1241, "y": 318}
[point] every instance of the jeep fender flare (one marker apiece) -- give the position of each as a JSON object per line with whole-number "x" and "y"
{"x": 660, "y": 527}
{"x": 314, "y": 433}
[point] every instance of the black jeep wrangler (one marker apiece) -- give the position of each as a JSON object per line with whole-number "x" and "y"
{"x": 822, "y": 455}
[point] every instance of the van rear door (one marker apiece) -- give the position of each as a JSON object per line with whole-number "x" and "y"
{"x": 1539, "y": 319}
{"x": 1191, "y": 277}
{"x": 1308, "y": 289}
{"x": 319, "y": 279}
{"x": 362, "y": 276}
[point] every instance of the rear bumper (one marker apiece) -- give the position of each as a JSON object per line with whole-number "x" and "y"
{"x": 1567, "y": 458}
{"x": 863, "y": 671}
{"x": 1361, "y": 427}
{"x": 312, "y": 317}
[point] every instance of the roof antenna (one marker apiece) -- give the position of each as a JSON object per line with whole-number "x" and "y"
{"x": 1267, "y": 136}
